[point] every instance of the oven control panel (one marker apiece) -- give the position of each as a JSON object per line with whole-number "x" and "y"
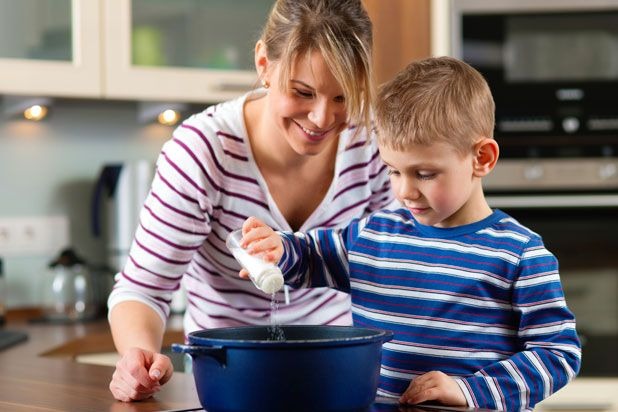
{"x": 560, "y": 174}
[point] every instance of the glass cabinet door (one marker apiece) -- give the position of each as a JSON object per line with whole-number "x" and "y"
{"x": 50, "y": 47}
{"x": 38, "y": 30}
{"x": 188, "y": 50}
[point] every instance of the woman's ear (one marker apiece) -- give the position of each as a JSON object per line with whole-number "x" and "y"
{"x": 486, "y": 153}
{"x": 261, "y": 61}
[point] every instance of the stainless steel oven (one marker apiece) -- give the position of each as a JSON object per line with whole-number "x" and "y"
{"x": 552, "y": 66}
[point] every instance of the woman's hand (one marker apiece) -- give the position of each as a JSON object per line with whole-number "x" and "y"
{"x": 259, "y": 239}
{"x": 434, "y": 386}
{"x": 139, "y": 374}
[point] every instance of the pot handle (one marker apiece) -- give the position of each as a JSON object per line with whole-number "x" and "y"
{"x": 388, "y": 335}
{"x": 216, "y": 352}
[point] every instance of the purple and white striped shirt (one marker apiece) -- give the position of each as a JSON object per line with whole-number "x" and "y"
{"x": 206, "y": 184}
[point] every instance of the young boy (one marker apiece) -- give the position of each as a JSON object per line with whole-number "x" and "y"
{"x": 473, "y": 297}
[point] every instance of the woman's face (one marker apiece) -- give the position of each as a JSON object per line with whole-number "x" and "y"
{"x": 310, "y": 112}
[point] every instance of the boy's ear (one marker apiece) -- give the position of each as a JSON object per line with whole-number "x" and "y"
{"x": 486, "y": 153}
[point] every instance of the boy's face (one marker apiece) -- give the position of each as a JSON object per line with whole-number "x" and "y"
{"x": 436, "y": 184}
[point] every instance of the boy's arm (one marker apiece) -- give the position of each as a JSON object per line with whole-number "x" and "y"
{"x": 319, "y": 258}
{"x": 551, "y": 351}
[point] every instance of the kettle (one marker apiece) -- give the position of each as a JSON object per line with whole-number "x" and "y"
{"x": 119, "y": 194}
{"x": 68, "y": 291}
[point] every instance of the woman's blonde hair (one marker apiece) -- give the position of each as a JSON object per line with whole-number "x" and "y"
{"x": 340, "y": 30}
{"x": 439, "y": 99}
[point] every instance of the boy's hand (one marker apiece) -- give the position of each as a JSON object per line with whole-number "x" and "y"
{"x": 434, "y": 386}
{"x": 259, "y": 239}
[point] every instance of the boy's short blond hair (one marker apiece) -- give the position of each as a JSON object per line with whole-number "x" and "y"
{"x": 438, "y": 99}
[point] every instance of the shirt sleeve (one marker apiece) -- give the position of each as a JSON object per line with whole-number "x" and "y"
{"x": 551, "y": 351}
{"x": 319, "y": 258}
{"x": 174, "y": 222}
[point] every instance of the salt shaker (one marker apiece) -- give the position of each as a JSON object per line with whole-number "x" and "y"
{"x": 265, "y": 276}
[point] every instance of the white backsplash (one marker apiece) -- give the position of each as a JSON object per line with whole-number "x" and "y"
{"x": 48, "y": 169}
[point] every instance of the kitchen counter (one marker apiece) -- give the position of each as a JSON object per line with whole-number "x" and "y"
{"x": 42, "y": 374}
{"x": 584, "y": 395}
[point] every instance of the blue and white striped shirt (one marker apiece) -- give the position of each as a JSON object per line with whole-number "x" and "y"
{"x": 482, "y": 302}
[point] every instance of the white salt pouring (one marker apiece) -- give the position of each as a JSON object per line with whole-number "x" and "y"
{"x": 265, "y": 276}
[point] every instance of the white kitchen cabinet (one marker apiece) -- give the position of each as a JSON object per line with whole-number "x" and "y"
{"x": 50, "y": 47}
{"x": 182, "y": 50}
{"x": 187, "y": 50}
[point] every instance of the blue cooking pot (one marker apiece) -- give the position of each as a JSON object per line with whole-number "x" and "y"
{"x": 315, "y": 368}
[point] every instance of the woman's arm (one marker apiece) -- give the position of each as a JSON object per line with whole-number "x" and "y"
{"x": 138, "y": 333}
{"x": 136, "y": 324}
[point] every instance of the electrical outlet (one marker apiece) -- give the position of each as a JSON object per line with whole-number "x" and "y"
{"x": 33, "y": 235}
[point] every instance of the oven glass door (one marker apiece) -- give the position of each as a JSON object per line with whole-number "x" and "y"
{"x": 543, "y": 47}
{"x": 552, "y": 73}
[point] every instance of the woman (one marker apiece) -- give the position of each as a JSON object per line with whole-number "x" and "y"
{"x": 296, "y": 153}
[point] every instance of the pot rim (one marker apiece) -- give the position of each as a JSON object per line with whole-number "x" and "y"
{"x": 372, "y": 335}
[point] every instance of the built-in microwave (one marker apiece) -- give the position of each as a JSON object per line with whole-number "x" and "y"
{"x": 553, "y": 69}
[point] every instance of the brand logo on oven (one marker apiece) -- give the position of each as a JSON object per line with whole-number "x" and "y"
{"x": 569, "y": 94}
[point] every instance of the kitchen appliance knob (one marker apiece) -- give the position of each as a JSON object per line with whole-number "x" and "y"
{"x": 608, "y": 170}
{"x": 570, "y": 124}
{"x": 534, "y": 172}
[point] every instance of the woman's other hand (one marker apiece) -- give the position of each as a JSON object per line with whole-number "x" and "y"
{"x": 434, "y": 386}
{"x": 139, "y": 374}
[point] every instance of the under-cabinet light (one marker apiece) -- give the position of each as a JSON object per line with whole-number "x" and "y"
{"x": 164, "y": 113}
{"x": 31, "y": 108}
{"x": 35, "y": 112}
{"x": 168, "y": 117}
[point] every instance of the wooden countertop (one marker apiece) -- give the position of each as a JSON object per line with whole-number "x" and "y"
{"x": 41, "y": 374}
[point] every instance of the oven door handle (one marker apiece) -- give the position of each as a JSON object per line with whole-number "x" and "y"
{"x": 552, "y": 201}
